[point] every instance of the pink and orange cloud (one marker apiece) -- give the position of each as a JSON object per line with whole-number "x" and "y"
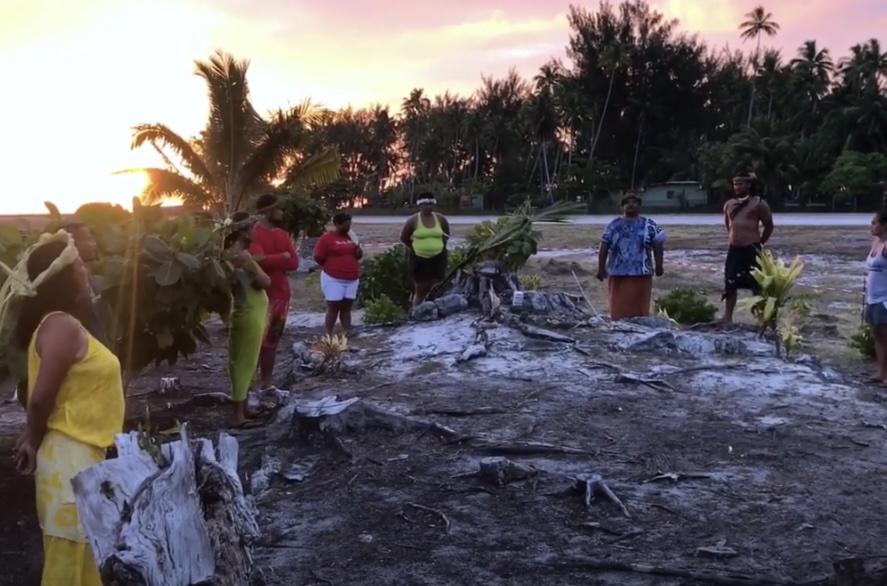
{"x": 81, "y": 74}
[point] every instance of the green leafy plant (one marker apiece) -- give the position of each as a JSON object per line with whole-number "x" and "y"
{"x": 303, "y": 216}
{"x": 101, "y": 215}
{"x": 686, "y": 306}
{"x": 383, "y": 311}
{"x": 386, "y": 274}
{"x": 776, "y": 280}
{"x": 158, "y": 280}
{"x": 160, "y": 287}
{"x": 530, "y": 282}
{"x": 774, "y": 306}
{"x": 863, "y": 342}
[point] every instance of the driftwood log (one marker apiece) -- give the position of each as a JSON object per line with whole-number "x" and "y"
{"x": 175, "y": 518}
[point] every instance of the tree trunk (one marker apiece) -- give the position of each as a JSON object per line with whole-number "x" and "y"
{"x": 547, "y": 179}
{"x": 754, "y": 80}
{"x": 637, "y": 150}
{"x": 181, "y": 522}
{"x": 600, "y": 125}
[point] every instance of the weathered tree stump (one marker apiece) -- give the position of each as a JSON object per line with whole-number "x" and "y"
{"x": 179, "y": 519}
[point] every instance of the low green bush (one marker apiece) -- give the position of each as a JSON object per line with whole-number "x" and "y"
{"x": 863, "y": 342}
{"x": 386, "y": 274}
{"x": 383, "y": 311}
{"x": 687, "y": 306}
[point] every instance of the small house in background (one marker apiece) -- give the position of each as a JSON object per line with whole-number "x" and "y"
{"x": 673, "y": 195}
{"x": 471, "y": 202}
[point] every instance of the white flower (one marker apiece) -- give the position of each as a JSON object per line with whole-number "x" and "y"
{"x": 227, "y": 222}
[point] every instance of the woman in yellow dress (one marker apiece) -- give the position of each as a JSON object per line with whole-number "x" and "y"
{"x": 75, "y": 399}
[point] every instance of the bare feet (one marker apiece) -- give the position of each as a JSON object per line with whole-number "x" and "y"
{"x": 877, "y": 378}
{"x": 725, "y": 324}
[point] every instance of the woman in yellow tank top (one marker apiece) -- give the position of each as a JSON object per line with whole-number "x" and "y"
{"x": 75, "y": 401}
{"x": 425, "y": 236}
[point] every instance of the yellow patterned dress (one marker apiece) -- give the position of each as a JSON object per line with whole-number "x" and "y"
{"x": 88, "y": 412}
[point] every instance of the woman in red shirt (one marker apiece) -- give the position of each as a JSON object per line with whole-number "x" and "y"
{"x": 338, "y": 253}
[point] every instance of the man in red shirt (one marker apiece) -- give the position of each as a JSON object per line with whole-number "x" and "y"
{"x": 338, "y": 252}
{"x": 277, "y": 257}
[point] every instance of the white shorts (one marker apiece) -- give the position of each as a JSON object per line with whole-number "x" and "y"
{"x": 338, "y": 289}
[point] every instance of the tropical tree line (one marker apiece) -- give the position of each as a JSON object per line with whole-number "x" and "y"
{"x": 637, "y": 101}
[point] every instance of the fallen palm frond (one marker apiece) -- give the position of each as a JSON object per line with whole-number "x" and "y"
{"x": 514, "y": 233}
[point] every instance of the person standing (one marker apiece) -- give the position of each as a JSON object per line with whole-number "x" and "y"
{"x": 749, "y": 224}
{"x": 277, "y": 257}
{"x": 247, "y": 322}
{"x": 875, "y": 313}
{"x": 338, "y": 253}
{"x": 425, "y": 235}
{"x": 94, "y": 316}
{"x": 631, "y": 252}
{"x": 75, "y": 403}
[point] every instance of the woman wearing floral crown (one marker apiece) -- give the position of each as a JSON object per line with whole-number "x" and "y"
{"x": 74, "y": 400}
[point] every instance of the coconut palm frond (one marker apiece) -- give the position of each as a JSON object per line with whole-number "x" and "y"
{"x": 308, "y": 113}
{"x": 318, "y": 170}
{"x": 164, "y": 184}
{"x": 162, "y": 137}
{"x": 233, "y": 124}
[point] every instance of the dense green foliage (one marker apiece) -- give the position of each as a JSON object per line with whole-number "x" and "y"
{"x": 159, "y": 280}
{"x": 304, "y": 215}
{"x": 386, "y": 274}
{"x": 686, "y": 306}
{"x": 638, "y": 101}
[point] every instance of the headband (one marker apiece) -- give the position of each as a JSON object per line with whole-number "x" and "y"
{"x": 18, "y": 284}
{"x": 426, "y": 200}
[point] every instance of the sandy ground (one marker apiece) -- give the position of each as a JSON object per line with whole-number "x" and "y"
{"x": 790, "y": 471}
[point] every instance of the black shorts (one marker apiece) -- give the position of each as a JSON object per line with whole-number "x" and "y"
{"x": 428, "y": 270}
{"x": 741, "y": 260}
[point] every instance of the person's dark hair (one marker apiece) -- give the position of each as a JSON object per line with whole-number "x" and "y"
{"x": 881, "y": 216}
{"x": 53, "y": 294}
{"x": 232, "y": 237}
{"x": 425, "y": 195}
{"x": 265, "y": 202}
{"x": 340, "y": 218}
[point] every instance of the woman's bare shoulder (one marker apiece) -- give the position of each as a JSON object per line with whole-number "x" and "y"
{"x": 59, "y": 321}
{"x": 61, "y": 326}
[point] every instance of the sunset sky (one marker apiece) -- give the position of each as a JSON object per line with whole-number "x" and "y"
{"x": 78, "y": 75}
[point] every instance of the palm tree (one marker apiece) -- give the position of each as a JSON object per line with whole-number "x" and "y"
{"x": 239, "y": 153}
{"x": 612, "y": 60}
{"x": 757, "y": 22}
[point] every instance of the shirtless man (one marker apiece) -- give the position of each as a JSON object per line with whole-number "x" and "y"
{"x": 744, "y": 216}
